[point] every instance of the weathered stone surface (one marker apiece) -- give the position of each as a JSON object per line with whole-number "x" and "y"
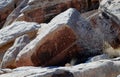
{"x": 11, "y": 53}
{"x": 5, "y": 11}
{"x": 52, "y": 49}
{"x": 42, "y": 11}
{"x": 107, "y": 28}
{"x": 99, "y": 57}
{"x": 111, "y": 8}
{"x": 6, "y": 7}
{"x": 10, "y": 33}
{"x": 88, "y": 14}
{"x": 3, "y": 71}
{"x": 53, "y": 41}
{"x": 20, "y": 4}
{"x": 103, "y": 68}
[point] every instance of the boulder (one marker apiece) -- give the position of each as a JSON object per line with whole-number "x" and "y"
{"x": 103, "y": 68}
{"x": 50, "y": 49}
{"x": 66, "y": 34}
{"x": 11, "y": 54}
{"x": 16, "y": 29}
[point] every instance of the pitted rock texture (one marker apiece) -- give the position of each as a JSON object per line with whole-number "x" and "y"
{"x": 47, "y": 45}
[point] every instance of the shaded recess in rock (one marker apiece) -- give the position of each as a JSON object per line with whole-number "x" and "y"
{"x": 62, "y": 73}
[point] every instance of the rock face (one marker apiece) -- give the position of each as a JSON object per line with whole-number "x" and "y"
{"x": 49, "y": 40}
{"x": 11, "y": 53}
{"x": 68, "y": 38}
{"x": 104, "y": 68}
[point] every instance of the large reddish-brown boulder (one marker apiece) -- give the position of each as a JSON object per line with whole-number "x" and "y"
{"x": 56, "y": 47}
{"x": 59, "y": 41}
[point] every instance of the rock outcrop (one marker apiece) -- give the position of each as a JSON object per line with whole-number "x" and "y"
{"x": 11, "y": 54}
{"x": 91, "y": 40}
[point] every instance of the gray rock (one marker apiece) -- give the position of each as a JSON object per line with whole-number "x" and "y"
{"x": 3, "y": 71}
{"x": 99, "y": 57}
{"x": 111, "y": 8}
{"x": 16, "y": 12}
{"x": 77, "y": 25}
{"x": 103, "y": 68}
{"x": 6, "y": 7}
{"x": 11, "y": 53}
{"x": 16, "y": 29}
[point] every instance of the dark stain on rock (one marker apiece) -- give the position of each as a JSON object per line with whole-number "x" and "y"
{"x": 105, "y": 15}
{"x": 62, "y": 73}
